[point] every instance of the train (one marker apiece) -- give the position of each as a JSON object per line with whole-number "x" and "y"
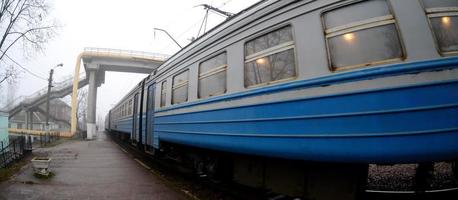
{"x": 353, "y": 81}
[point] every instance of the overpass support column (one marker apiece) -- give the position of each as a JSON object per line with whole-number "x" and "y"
{"x": 31, "y": 120}
{"x": 91, "y": 104}
{"x": 28, "y": 120}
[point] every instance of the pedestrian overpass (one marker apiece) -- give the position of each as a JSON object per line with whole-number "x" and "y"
{"x": 96, "y": 62}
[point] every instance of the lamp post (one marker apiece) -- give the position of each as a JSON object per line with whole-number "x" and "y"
{"x": 49, "y": 94}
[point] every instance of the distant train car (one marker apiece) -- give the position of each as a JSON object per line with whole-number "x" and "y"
{"x": 329, "y": 81}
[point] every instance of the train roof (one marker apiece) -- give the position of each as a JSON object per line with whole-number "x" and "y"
{"x": 239, "y": 19}
{"x": 213, "y": 32}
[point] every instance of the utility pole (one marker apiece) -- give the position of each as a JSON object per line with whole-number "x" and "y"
{"x": 47, "y": 98}
{"x": 51, "y": 72}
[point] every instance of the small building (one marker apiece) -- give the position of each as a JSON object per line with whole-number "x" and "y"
{"x": 4, "y": 128}
{"x": 59, "y": 117}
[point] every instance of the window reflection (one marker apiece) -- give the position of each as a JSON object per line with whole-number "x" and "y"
{"x": 270, "y": 57}
{"x": 163, "y": 93}
{"x": 440, "y": 3}
{"x": 443, "y": 16}
{"x": 445, "y": 21}
{"x": 362, "y": 34}
{"x": 365, "y": 47}
{"x": 212, "y": 76}
{"x": 271, "y": 68}
{"x": 349, "y": 37}
{"x": 180, "y": 88}
{"x": 445, "y": 30}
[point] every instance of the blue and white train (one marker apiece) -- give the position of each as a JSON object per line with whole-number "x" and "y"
{"x": 351, "y": 81}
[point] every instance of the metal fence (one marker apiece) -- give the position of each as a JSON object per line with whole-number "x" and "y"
{"x": 48, "y": 137}
{"x": 16, "y": 149}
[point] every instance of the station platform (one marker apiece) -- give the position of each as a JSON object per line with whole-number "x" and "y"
{"x": 96, "y": 169}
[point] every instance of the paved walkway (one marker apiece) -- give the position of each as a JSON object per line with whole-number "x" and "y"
{"x": 95, "y": 169}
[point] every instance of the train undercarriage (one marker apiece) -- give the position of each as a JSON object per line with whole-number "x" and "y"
{"x": 300, "y": 179}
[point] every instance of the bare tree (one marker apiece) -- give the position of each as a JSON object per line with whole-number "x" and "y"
{"x": 26, "y": 22}
{"x": 8, "y": 75}
{"x": 81, "y": 108}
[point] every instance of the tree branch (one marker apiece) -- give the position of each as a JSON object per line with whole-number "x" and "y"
{"x": 26, "y": 20}
{"x": 19, "y": 37}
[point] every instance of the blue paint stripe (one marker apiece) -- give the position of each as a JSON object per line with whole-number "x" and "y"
{"x": 363, "y": 74}
{"x": 387, "y": 149}
{"x": 397, "y": 125}
{"x": 312, "y": 116}
{"x": 326, "y": 136}
{"x": 418, "y": 97}
{"x": 382, "y": 123}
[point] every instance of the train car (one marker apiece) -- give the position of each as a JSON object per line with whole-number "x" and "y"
{"x": 363, "y": 92}
{"x": 352, "y": 81}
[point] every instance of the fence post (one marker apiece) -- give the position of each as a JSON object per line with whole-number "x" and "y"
{"x": 3, "y": 155}
{"x": 14, "y": 149}
{"x": 21, "y": 145}
{"x": 29, "y": 142}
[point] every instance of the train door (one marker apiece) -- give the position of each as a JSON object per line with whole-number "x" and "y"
{"x": 109, "y": 121}
{"x": 141, "y": 120}
{"x": 149, "y": 116}
{"x": 135, "y": 120}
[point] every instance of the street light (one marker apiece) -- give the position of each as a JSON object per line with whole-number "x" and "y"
{"x": 49, "y": 93}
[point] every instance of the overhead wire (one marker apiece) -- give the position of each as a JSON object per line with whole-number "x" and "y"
{"x": 23, "y": 68}
{"x": 196, "y": 23}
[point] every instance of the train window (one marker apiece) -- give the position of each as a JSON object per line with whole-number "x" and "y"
{"x": 163, "y": 93}
{"x": 440, "y": 3}
{"x": 270, "y": 58}
{"x": 361, "y": 34}
{"x": 180, "y": 87}
{"x": 443, "y": 17}
{"x": 212, "y": 76}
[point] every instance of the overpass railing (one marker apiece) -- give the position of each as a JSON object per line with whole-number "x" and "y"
{"x": 121, "y": 52}
{"x": 57, "y": 86}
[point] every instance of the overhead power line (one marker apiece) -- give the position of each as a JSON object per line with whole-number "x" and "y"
{"x": 23, "y": 68}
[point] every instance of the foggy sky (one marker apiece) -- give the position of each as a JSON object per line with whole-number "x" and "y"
{"x": 118, "y": 24}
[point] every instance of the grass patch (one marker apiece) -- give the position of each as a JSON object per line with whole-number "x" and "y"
{"x": 6, "y": 173}
{"x": 55, "y": 143}
{"x": 40, "y": 176}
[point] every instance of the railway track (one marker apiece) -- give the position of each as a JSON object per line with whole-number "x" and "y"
{"x": 191, "y": 185}
{"x": 200, "y": 187}
{"x": 450, "y": 193}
